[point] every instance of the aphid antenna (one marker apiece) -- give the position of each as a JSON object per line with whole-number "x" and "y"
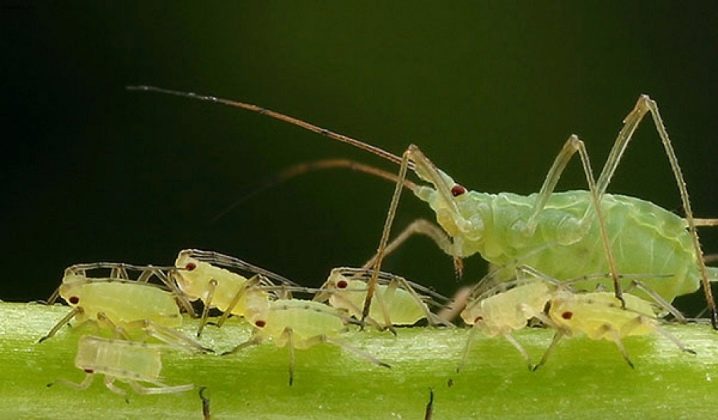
{"x": 307, "y": 167}
{"x": 277, "y": 116}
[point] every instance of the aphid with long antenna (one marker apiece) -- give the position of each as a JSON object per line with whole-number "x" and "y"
{"x": 592, "y": 231}
{"x": 131, "y": 362}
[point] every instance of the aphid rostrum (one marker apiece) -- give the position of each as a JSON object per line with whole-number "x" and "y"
{"x": 589, "y": 231}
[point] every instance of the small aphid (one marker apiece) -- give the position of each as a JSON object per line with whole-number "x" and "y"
{"x": 396, "y": 300}
{"x": 599, "y": 316}
{"x": 130, "y": 362}
{"x": 506, "y": 312}
{"x": 201, "y": 276}
{"x": 121, "y": 304}
{"x": 300, "y": 324}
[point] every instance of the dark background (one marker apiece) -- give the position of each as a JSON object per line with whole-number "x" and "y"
{"x": 490, "y": 91}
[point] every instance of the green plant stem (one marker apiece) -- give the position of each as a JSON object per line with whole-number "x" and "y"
{"x": 582, "y": 379}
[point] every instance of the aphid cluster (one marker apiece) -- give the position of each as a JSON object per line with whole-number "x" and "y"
{"x": 553, "y": 255}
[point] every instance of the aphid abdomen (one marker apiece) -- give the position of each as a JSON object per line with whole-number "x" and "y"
{"x": 402, "y": 308}
{"x": 125, "y": 302}
{"x": 645, "y": 239}
{"x": 119, "y": 358}
{"x": 305, "y": 318}
{"x": 600, "y": 316}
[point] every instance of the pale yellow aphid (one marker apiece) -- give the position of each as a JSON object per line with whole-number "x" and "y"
{"x": 121, "y": 304}
{"x": 131, "y": 362}
{"x": 599, "y": 316}
{"x": 300, "y": 324}
{"x": 201, "y": 276}
{"x": 396, "y": 300}
{"x": 506, "y": 312}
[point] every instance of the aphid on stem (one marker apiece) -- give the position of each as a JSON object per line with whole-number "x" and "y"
{"x": 131, "y": 362}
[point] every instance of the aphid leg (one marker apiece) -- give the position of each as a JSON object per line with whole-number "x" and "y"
{"x": 89, "y": 377}
{"x": 660, "y": 301}
{"x": 253, "y": 341}
{"x": 117, "y": 330}
{"x": 212, "y": 286}
{"x": 556, "y": 338}
{"x": 161, "y": 389}
{"x": 675, "y": 340}
{"x": 119, "y": 271}
{"x": 520, "y": 348}
{"x": 66, "y": 319}
{"x": 570, "y": 148}
{"x": 290, "y": 348}
{"x": 371, "y": 286}
{"x": 457, "y": 304}
{"x": 615, "y": 336}
{"x": 170, "y": 282}
{"x": 467, "y": 347}
{"x": 644, "y": 105}
{"x": 110, "y": 384}
{"x": 169, "y": 335}
{"x": 421, "y": 227}
{"x": 431, "y": 317}
{"x": 343, "y": 344}
{"x": 53, "y": 297}
{"x": 251, "y": 282}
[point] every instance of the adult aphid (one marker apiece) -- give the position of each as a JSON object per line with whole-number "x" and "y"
{"x": 590, "y": 231}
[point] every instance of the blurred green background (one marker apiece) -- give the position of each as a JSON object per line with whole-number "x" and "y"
{"x": 489, "y": 90}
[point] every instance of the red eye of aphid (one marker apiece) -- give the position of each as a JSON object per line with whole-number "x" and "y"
{"x": 190, "y": 266}
{"x": 457, "y": 190}
{"x": 342, "y": 284}
{"x": 74, "y": 300}
{"x": 567, "y": 315}
{"x": 89, "y": 371}
{"x": 260, "y": 323}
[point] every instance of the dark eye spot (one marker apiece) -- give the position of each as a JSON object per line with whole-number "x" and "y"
{"x": 478, "y": 319}
{"x": 190, "y": 266}
{"x": 567, "y": 315}
{"x": 89, "y": 371}
{"x": 457, "y": 190}
{"x": 74, "y": 300}
{"x": 260, "y": 323}
{"x": 342, "y": 284}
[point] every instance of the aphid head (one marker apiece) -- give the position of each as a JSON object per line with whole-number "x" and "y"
{"x": 71, "y": 290}
{"x": 189, "y": 275}
{"x": 456, "y": 208}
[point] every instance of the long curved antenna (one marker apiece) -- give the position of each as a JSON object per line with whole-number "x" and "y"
{"x": 305, "y": 167}
{"x": 277, "y": 116}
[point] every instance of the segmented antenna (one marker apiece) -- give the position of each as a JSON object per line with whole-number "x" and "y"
{"x": 277, "y": 116}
